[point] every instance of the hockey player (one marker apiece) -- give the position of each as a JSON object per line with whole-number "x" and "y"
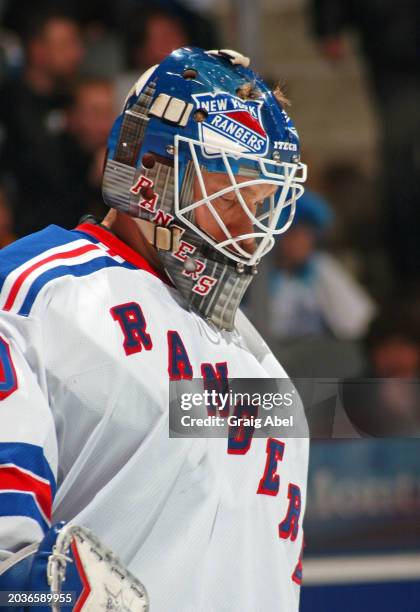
{"x": 95, "y": 322}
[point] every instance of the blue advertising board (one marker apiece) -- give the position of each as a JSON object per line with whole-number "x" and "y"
{"x": 362, "y": 526}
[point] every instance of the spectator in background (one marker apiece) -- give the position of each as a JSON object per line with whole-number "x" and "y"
{"x": 388, "y": 34}
{"x": 99, "y": 21}
{"x": 32, "y": 116}
{"x": 154, "y": 36}
{"x": 89, "y": 120}
{"x": 393, "y": 343}
{"x": 387, "y": 402}
{"x": 152, "y": 30}
{"x": 311, "y": 292}
{"x": 152, "y": 33}
{"x": 15, "y": 15}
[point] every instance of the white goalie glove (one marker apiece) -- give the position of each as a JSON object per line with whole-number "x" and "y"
{"x": 107, "y": 584}
{"x": 71, "y": 570}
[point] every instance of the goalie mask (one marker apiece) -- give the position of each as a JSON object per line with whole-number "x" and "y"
{"x": 208, "y": 162}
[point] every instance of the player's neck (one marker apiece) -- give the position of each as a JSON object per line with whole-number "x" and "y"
{"x": 127, "y": 230}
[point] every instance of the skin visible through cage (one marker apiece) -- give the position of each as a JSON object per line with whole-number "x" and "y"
{"x": 229, "y": 208}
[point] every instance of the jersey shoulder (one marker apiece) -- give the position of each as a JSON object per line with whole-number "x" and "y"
{"x": 26, "y": 248}
{"x": 33, "y": 262}
{"x": 26, "y": 255}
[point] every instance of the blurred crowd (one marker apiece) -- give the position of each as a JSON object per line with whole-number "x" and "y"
{"x": 373, "y": 306}
{"x": 65, "y": 68}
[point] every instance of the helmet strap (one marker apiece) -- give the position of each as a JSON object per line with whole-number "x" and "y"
{"x": 163, "y": 238}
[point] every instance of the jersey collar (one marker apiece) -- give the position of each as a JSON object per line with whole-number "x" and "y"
{"x": 118, "y": 247}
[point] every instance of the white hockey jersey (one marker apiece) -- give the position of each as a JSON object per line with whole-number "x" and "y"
{"x": 89, "y": 337}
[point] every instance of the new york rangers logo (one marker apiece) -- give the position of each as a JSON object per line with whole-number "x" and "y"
{"x": 232, "y": 123}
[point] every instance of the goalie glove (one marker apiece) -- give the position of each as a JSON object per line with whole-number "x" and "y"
{"x": 70, "y": 559}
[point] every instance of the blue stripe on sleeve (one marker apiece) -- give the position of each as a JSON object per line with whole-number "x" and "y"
{"x": 29, "y": 457}
{"x": 78, "y": 270}
{"x": 17, "y": 253}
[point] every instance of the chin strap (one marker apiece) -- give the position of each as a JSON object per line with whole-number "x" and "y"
{"x": 163, "y": 238}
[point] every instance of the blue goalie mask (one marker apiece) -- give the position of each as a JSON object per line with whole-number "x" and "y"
{"x": 207, "y": 161}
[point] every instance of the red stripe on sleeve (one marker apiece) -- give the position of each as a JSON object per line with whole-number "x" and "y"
{"x": 11, "y": 477}
{"x": 24, "y": 275}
